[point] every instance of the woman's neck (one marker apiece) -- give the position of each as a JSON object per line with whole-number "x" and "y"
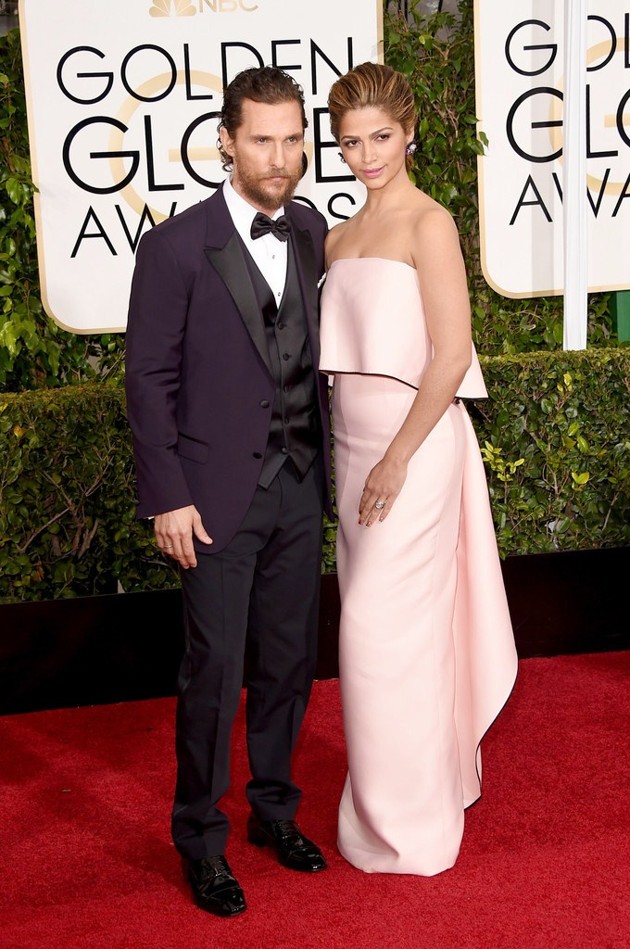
{"x": 392, "y": 195}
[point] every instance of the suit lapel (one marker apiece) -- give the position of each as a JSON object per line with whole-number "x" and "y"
{"x": 307, "y": 273}
{"x": 225, "y": 253}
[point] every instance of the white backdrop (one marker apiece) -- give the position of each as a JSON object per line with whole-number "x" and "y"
{"x": 521, "y": 82}
{"x": 122, "y": 100}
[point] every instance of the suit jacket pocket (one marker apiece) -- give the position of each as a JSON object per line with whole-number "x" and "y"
{"x": 192, "y": 448}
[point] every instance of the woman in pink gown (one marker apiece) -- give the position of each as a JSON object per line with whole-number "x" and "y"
{"x": 427, "y": 657}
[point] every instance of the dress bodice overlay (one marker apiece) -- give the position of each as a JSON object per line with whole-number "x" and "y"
{"x": 373, "y": 322}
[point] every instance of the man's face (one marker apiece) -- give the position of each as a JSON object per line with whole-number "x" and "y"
{"x": 266, "y": 153}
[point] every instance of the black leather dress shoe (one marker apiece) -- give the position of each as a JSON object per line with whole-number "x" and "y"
{"x": 214, "y": 887}
{"x": 294, "y": 850}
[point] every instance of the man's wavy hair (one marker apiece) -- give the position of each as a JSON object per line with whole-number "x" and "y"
{"x": 268, "y": 84}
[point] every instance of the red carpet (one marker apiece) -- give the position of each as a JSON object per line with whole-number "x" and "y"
{"x": 87, "y": 861}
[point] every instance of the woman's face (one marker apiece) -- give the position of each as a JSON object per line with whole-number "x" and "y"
{"x": 373, "y": 145}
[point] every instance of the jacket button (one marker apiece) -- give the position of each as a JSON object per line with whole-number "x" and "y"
{"x": 285, "y": 451}
{"x": 264, "y": 404}
{"x": 257, "y": 454}
{"x": 286, "y": 356}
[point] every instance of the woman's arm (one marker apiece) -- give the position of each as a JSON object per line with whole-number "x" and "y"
{"x": 438, "y": 259}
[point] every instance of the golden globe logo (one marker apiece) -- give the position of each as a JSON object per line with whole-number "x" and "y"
{"x": 123, "y": 124}
{"x": 168, "y": 8}
{"x": 521, "y": 96}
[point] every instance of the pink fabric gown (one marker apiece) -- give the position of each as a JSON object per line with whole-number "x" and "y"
{"x": 427, "y": 656}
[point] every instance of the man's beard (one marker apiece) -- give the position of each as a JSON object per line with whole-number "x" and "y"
{"x": 253, "y": 190}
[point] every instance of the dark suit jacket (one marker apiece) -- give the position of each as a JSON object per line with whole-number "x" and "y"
{"x": 199, "y": 385}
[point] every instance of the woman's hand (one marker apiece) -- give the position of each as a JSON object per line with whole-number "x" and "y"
{"x": 382, "y": 487}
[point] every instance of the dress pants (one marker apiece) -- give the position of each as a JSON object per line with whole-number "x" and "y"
{"x": 262, "y": 591}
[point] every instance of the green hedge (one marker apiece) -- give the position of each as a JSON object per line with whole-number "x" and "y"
{"x": 67, "y": 525}
{"x": 555, "y": 438}
{"x": 554, "y": 433}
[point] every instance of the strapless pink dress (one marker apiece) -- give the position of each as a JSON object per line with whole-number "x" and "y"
{"x": 427, "y": 656}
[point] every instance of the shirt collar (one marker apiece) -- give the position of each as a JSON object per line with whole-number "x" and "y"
{"x": 242, "y": 212}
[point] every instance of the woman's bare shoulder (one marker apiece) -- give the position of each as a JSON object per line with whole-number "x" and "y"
{"x": 434, "y": 242}
{"x": 431, "y": 223}
{"x": 426, "y": 211}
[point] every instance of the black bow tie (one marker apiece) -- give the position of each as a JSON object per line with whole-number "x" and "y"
{"x": 264, "y": 225}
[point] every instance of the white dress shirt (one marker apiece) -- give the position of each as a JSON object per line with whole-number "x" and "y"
{"x": 269, "y": 254}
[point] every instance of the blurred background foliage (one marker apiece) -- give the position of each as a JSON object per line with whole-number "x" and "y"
{"x": 437, "y": 56}
{"x": 34, "y": 351}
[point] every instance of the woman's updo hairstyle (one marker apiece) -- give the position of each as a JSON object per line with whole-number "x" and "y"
{"x": 372, "y": 85}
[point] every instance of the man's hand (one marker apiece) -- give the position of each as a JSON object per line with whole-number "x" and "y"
{"x": 174, "y": 534}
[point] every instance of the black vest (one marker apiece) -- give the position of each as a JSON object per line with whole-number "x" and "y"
{"x": 294, "y": 431}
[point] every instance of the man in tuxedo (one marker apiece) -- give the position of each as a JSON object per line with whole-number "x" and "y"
{"x": 230, "y": 427}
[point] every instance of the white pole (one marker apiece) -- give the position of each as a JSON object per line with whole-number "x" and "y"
{"x": 574, "y": 179}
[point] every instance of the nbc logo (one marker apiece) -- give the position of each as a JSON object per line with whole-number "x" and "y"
{"x": 172, "y": 8}
{"x": 185, "y": 8}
